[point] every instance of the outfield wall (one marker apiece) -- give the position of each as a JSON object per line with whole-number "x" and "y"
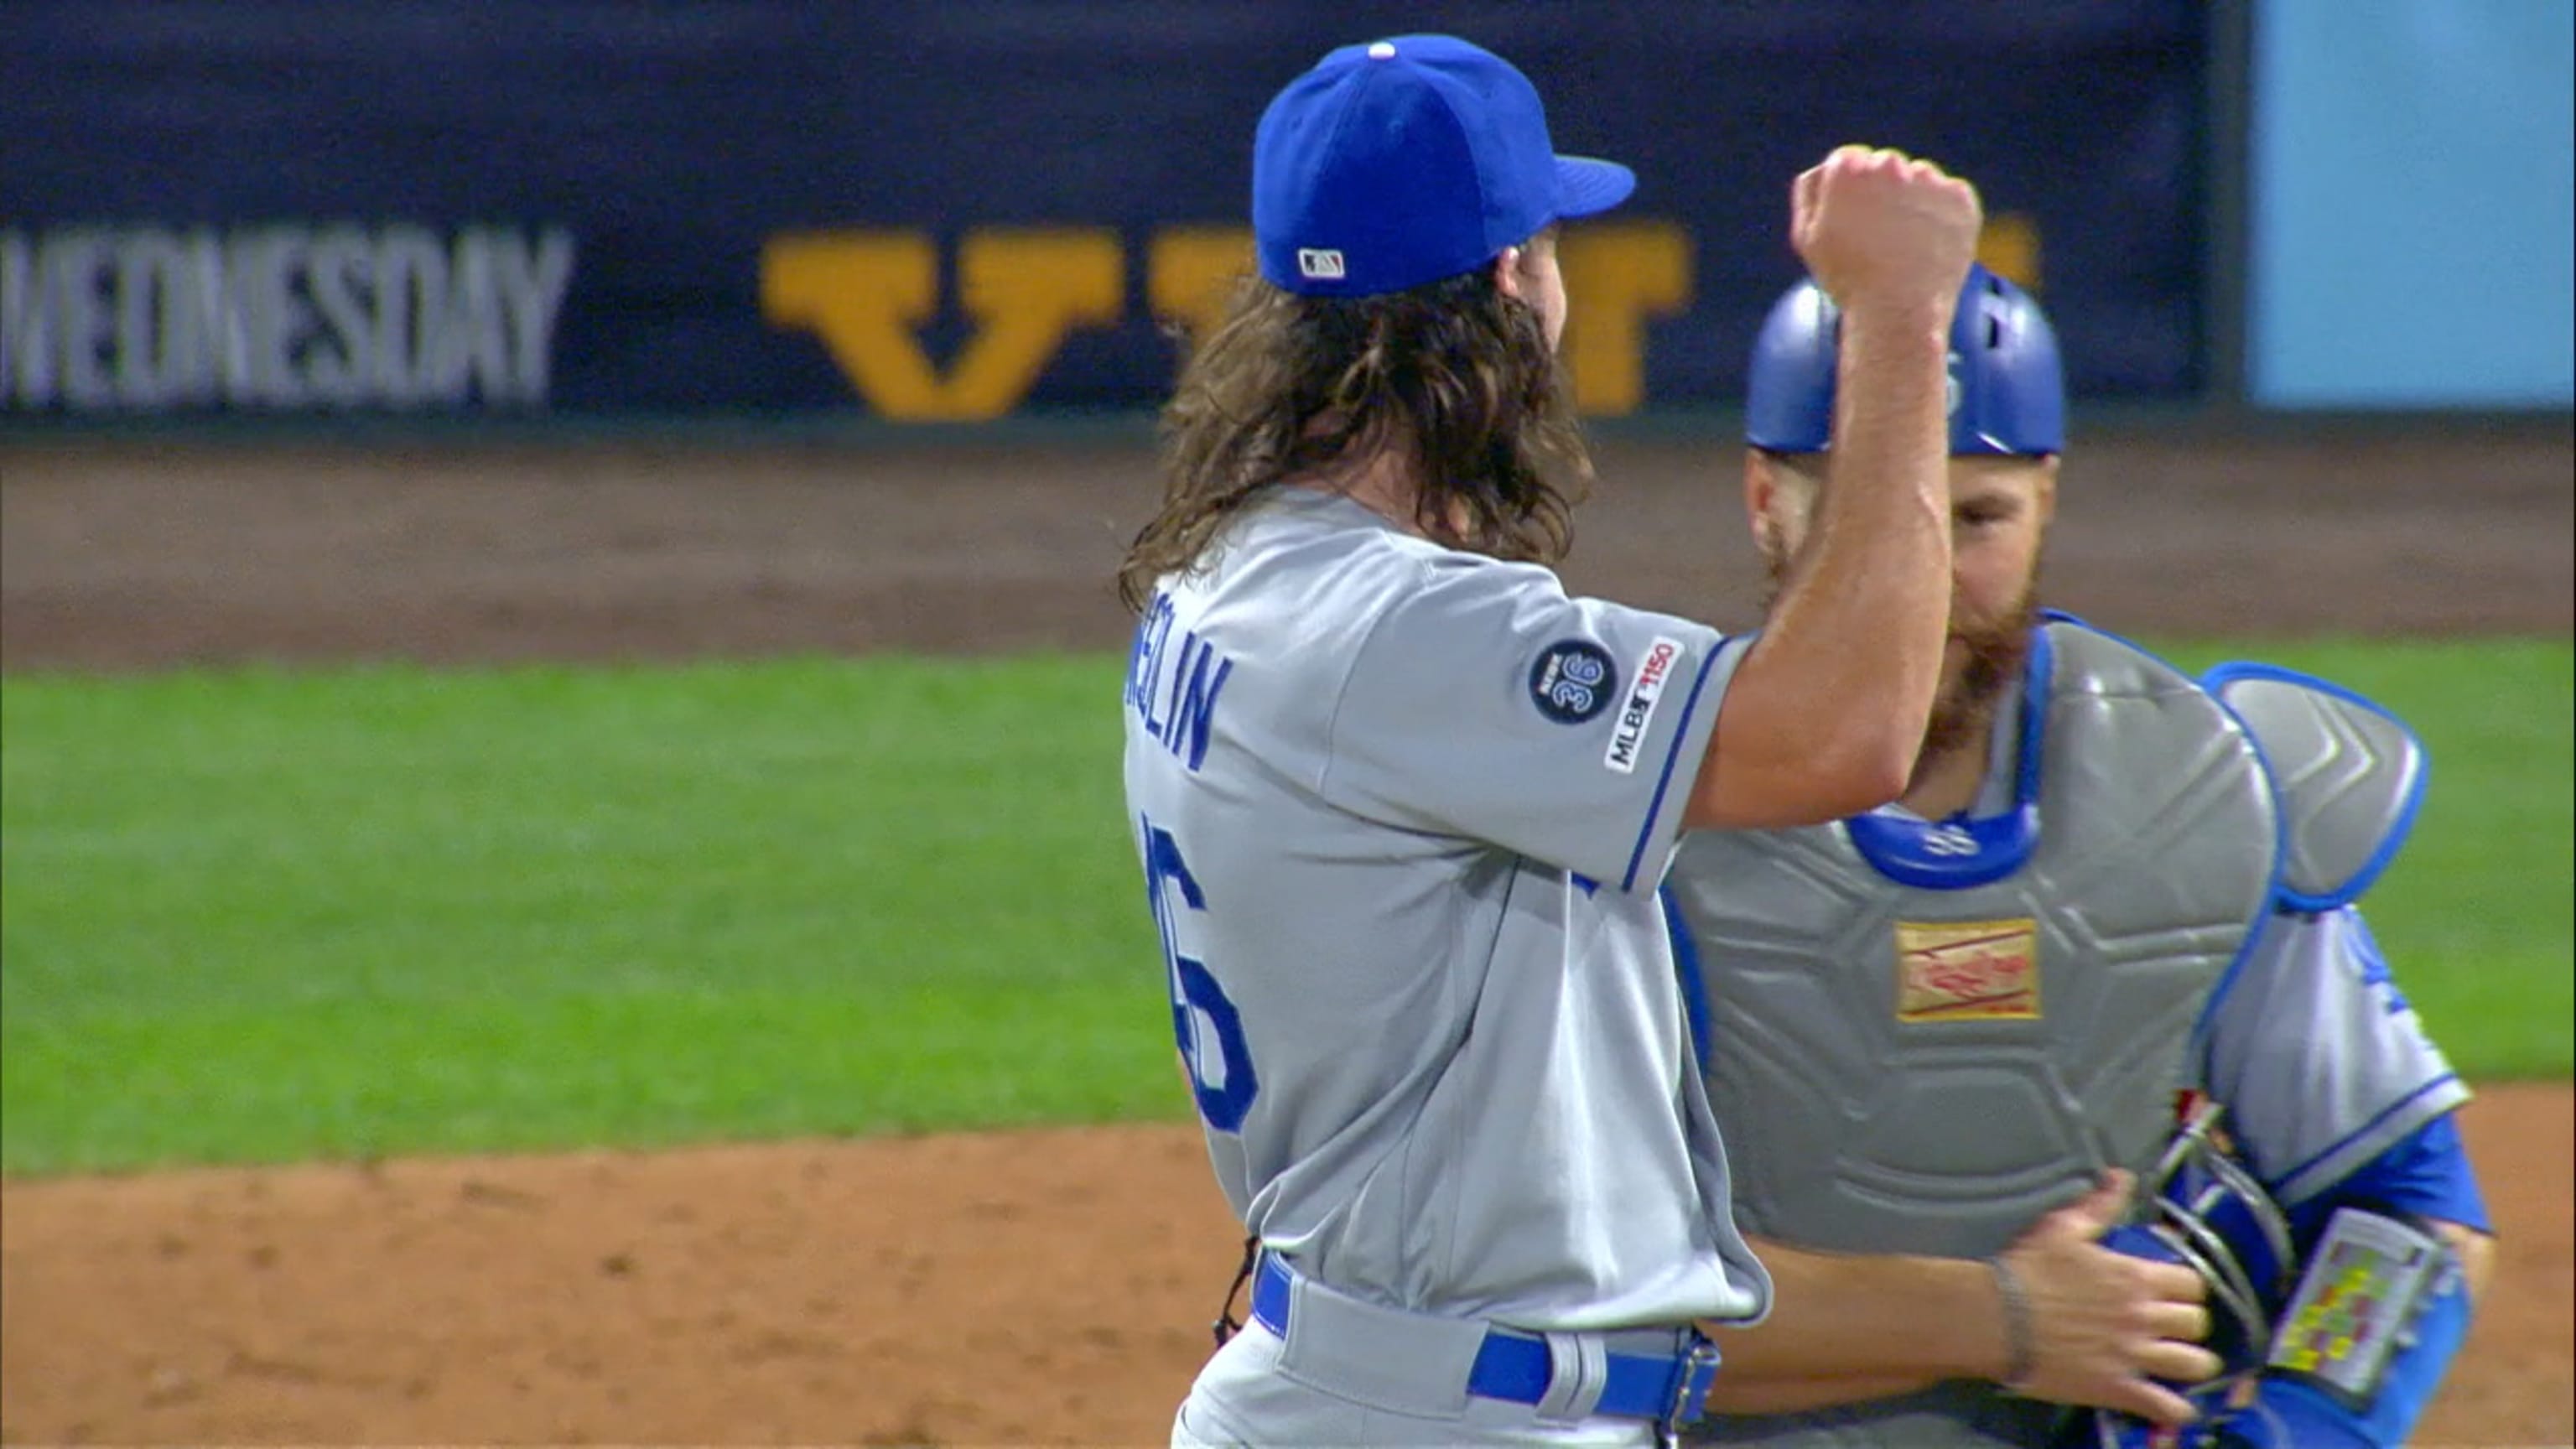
{"x": 656, "y": 210}
{"x": 957, "y": 211}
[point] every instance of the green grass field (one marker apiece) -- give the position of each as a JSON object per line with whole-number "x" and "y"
{"x": 261, "y": 915}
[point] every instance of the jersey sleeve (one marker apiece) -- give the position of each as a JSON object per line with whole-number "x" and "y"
{"x": 1487, "y": 704}
{"x": 2321, "y": 1061}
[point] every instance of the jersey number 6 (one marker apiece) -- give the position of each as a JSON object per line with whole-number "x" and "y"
{"x": 1204, "y": 1021}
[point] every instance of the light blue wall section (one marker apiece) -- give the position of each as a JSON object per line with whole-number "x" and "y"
{"x": 2413, "y": 184}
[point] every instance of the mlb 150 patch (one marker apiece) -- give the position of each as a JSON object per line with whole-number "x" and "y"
{"x": 1642, "y": 695}
{"x": 1570, "y": 682}
{"x": 1967, "y": 970}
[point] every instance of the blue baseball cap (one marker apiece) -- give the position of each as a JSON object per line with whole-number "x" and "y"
{"x": 1406, "y": 160}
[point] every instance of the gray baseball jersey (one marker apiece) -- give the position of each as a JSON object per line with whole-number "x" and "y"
{"x": 1402, "y": 812}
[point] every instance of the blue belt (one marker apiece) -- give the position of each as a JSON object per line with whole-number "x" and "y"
{"x": 1517, "y": 1367}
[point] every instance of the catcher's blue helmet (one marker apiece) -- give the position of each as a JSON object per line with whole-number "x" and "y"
{"x": 2007, "y": 389}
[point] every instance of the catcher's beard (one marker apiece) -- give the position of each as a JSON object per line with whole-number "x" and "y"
{"x": 1993, "y": 652}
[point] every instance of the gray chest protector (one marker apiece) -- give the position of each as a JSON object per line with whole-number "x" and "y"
{"x": 1922, "y": 1037}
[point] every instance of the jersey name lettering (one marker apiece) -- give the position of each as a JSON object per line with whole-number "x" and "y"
{"x": 1176, "y": 705}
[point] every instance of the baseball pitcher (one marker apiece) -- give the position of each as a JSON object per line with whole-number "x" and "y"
{"x": 1403, "y": 804}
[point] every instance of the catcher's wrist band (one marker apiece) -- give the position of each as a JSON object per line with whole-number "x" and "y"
{"x": 2019, "y": 1355}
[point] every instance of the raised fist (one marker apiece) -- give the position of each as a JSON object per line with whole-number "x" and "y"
{"x": 1878, "y": 228}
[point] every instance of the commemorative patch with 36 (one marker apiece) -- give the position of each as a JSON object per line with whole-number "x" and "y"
{"x": 1570, "y": 682}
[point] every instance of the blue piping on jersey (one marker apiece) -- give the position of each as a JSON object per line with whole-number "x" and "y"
{"x": 1694, "y": 983}
{"x": 2395, "y": 840}
{"x": 1672, "y": 756}
{"x": 1896, "y": 846}
{"x": 2364, "y": 1130}
{"x": 2374, "y": 963}
{"x": 2280, "y": 844}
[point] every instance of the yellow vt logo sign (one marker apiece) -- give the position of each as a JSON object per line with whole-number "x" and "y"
{"x": 1023, "y": 291}
{"x": 867, "y": 294}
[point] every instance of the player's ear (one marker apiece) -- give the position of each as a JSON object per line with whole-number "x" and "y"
{"x": 1507, "y": 273}
{"x": 1761, "y": 491}
{"x": 2046, "y": 491}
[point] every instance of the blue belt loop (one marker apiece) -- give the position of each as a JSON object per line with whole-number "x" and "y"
{"x": 1692, "y": 1376}
{"x": 1270, "y": 1293}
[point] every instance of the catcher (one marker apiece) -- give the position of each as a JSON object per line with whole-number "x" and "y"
{"x": 2108, "y": 889}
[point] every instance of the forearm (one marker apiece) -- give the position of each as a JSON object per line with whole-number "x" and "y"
{"x": 1847, "y": 1327}
{"x": 1867, "y": 609}
{"x": 1839, "y": 686}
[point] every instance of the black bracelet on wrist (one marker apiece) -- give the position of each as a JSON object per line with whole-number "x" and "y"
{"x": 2018, "y": 1351}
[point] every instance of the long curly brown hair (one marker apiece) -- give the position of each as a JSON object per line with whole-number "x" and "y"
{"x": 1456, "y": 375}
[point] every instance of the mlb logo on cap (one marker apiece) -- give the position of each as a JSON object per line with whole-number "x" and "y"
{"x": 1403, "y": 161}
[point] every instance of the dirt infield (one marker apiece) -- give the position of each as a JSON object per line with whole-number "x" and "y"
{"x": 1021, "y": 1288}
{"x": 1016, "y": 1288}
